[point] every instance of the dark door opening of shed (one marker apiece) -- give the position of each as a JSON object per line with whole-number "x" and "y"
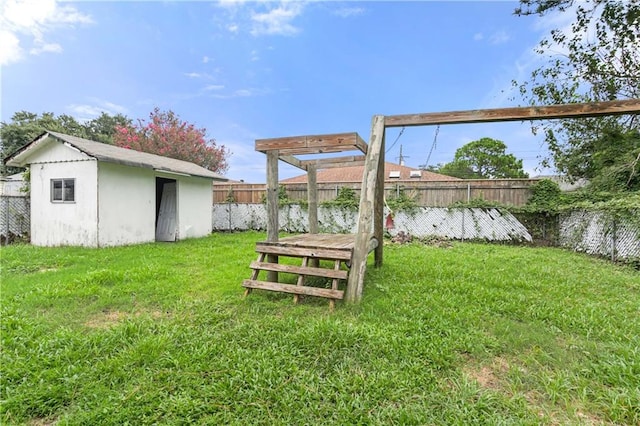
{"x": 166, "y": 209}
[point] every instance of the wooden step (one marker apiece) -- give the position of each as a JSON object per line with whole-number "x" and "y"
{"x": 294, "y": 289}
{"x": 304, "y": 252}
{"x": 301, "y": 270}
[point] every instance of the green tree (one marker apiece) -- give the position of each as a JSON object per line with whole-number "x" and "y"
{"x": 103, "y": 128}
{"x": 596, "y": 59}
{"x": 485, "y": 158}
{"x": 25, "y": 126}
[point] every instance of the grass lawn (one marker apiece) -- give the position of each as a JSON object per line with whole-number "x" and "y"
{"x": 466, "y": 334}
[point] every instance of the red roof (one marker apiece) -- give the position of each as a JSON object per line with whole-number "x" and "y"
{"x": 354, "y": 174}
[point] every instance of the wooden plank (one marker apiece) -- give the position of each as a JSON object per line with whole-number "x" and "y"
{"x": 304, "y": 251}
{"x": 364, "y": 234}
{"x": 301, "y": 270}
{"x": 312, "y": 198}
{"x": 312, "y": 144}
{"x": 326, "y": 241}
{"x": 301, "y": 144}
{"x": 332, "y": 163}
{"x": 592, "y": 109}
{"x": 265, "y": 145}
{"x": 272, "y": 207}
{"x": 361, "y": 144}
{"x": 294, "y": 289}
{"x": 316, "y": 150}
{"x": 290, "y": 159}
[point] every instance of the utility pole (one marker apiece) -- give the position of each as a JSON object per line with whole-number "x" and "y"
{"x": 401, "y": 157}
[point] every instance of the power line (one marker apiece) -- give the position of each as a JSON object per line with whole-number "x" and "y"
{"x": 433, "y": 146}
{"x": 394, "y": 142}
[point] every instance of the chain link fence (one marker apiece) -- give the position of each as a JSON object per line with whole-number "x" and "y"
{"x": 449, "y": 223}
{"x": 15, "y": 218}
{"x": 602, "y": 233}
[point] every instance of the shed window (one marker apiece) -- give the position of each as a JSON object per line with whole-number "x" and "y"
{"x": 63, "y": 190}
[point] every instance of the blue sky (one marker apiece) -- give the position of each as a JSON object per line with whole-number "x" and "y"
{"x": 249, "y": 70}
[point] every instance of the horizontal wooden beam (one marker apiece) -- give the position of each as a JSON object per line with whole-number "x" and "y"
{"x": 329, "y": 163}
{"x": 313, "y": 144}
{"x": 295, "y": 289}
{"x": 300, "y": 270}
{"x": 319, "y": 253}
{"x": 290, "y": 159}
{"x": 592, "y": 109}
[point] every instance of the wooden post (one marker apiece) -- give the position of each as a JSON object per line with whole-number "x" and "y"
{"x": 312, "y": 197}
{"x": 273, "y": 225}
{"x": 378, "y": 216}
{"x": 367, "y": 195}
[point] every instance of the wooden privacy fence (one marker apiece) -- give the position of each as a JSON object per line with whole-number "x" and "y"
{"x": 513, "y": 192}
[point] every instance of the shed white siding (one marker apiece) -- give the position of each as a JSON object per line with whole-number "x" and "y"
{"x": 194, "y": 207}
{"x": 127, "y": 205}
{"x": 61, "y": 224}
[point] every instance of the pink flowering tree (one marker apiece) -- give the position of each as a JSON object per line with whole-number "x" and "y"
{"x": 167, "y": 135}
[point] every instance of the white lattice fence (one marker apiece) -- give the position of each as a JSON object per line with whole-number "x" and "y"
{"x": 459, "y": 223}
{"x": 602, "y": 233}
{"x": 15, "y": 219}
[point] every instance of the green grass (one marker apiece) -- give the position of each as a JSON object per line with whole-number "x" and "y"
{"x": 470, "y": 334}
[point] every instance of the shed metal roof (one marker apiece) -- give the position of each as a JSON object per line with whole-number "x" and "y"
{"x": 113, "y": 154}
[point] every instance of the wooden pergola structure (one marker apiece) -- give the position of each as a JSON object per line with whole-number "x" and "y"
{"x": 354, "y": 249}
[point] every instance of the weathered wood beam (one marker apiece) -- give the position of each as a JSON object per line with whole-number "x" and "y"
{"x": 292, "y": 288}
{"x": 366, "y": 211}
{"x": 290, "y": 159}
{"x": 312, "y": 198}
{"x": 329, "y": 163}
{"x": 301, "y": 270}
{"x": 320, "y": 253}
{"x": 592, "y": 109}
{"x": 361, "y": 144}
{"x": 311, "y": 144}
{"x": 273, "y": 225}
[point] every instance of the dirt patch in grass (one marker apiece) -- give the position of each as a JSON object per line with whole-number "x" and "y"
{"x": 108, "y": 318}
{"x": 488, "y": 376}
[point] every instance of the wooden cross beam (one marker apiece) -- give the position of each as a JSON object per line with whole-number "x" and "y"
{"x": 313, "y": 144}
{"x": 593, "y": 109}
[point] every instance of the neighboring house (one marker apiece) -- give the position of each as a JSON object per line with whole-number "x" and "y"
{"x": 12, "y": 185}
{"x": 92, "y": 194}
{"x": 392, "y": 173}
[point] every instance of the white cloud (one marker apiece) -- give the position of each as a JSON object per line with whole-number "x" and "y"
{"x": 233, "y": 28}
{"x": 211, "y": 87}
{"x": 46, "y": 47}
{"x": 277, "y": 21}
{"x": 96, "y": 107}
{"x": 346, "y": 12}
{"x": 243, "y": 92}
{"x": 193, "y": 74}
{"x": 28, "y": 22}
{"x": 499, "y": 37}
{"x": 10, "y": 50}
{"x": 206, "y": 59}
{"x": 478, "y": 36}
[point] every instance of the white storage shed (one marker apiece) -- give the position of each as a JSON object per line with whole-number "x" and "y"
{"x": 86, "y": 193}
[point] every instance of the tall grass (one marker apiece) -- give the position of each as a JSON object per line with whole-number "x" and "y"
{"x": 467, "y": 334}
